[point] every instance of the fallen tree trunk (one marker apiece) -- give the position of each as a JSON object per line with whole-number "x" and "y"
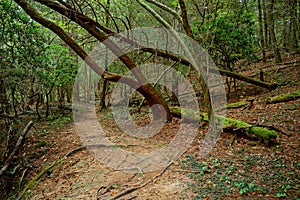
{"x": 270, "y": 86}
{"x": 244, "y": 103}
{"x": 223, "y": 72}
{"x": 237, "y": 104}
{"x": 263, "y": 134}
{"x": 18, "y": 144}
{"x": 284, "y": 97}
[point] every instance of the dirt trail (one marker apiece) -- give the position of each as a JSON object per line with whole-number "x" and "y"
{"x": 81, "y": 175}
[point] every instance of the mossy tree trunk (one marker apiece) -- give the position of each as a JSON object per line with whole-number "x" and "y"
{"x": 263, "y": 134}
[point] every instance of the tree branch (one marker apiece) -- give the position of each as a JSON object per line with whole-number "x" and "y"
{"x": 185, "y": 21}
{"x": 155, "y": 14}
{"x": 79, "y": 51}
{"x": 166, "y": 8}
{"x": 18, "y": 144}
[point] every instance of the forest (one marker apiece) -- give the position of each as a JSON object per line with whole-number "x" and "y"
{"x": 149, "y": 99}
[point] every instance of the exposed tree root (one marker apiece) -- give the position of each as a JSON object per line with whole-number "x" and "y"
{"x": 134, "y": 188}
{"x": 35, "y": 179}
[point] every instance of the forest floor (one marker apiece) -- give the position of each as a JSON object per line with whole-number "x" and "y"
{"x": 238, "y": 167}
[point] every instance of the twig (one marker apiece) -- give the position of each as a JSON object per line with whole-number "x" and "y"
{"x": 232, "y": 140}
{"x": 107, "y": 189}
{"x": 132, "y": 189}
{"x": 157, "y": 80}
{"x": 73, "y": 151}
{"x": 18, "y": 144}
{"x": 188, "y": 171}
{"x": 33, "y": 181}
{"x": 21, "y": 179}
{"x": 132, "y": 197}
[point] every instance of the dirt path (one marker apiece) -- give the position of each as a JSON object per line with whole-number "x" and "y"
{"x": 81, "y": 175}
{"x": 236, "y": 168}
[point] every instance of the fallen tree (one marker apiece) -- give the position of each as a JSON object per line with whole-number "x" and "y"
{"x": 244, "y": 103}
{"x": 284, "y": 97}
{"x": 223, "y": 72}
{"x": 16, "y": 148}
{"x": 252, "y": 131}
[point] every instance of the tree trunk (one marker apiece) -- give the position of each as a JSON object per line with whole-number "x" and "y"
{"x": 76, "y": 91}
{"x": 284, "y": 97}
{"x": 266, "y": 30}
{"x": 293, "y": 20}
{"x": 264, "y": 135}
{"x": 76, "y": 86}
{"x": 189, "y": 32}
{"x": 261, "y": 31}
{"x": 103, "y": 95}
{"x": 69, "y": 92}
{"x": 13, "y": 101}
{"x": 3, "y": 98}
{"x": 272, "y": 31}
{"x": 61, "y": 96}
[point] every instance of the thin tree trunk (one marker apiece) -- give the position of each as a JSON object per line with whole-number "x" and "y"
{"x": 103, "y": 95}
{"x": 266, "y": 30}
{"x": 261, "y": 31}
{"x": 13, "y": 101}
{"x": 105, "y": 83}
{"x": 76, "y": 86}
{"x": 294, "y": 27}
{"x": 189, "y": 32}
{"x": 3, "y": 98}
{"x": 272, "y": 31}
{"x": 38, "y": 104}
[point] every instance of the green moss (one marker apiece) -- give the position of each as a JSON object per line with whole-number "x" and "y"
{"x": 262, "y": 132}
{"x": 284, "y": 97}
{"x": 237, "y": 104}
{"x": 40, "y": 144}
{"x": 259, "y": 132}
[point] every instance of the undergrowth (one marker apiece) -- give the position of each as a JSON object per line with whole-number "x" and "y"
{"x": 251, "y": 176}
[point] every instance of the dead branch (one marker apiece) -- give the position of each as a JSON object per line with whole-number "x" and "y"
{"x": 18, "y": 144}
{"x": 132, "y": 189}
{"x": 35, "y": 179}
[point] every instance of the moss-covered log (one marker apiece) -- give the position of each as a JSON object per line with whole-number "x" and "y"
{"x": 284, "y": 97}
{"x": 258, "y": 132}
{"x": 237, "y": 104}
{"x": 244, "y": 103}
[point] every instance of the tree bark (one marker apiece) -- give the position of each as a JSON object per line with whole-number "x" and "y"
{"x": 3, "y": 98}
{"x": 293, "y": 20}
{"x": 272, "y": 31}
{"x": 261, "y": 31}
{"x": 266, "y": 30}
